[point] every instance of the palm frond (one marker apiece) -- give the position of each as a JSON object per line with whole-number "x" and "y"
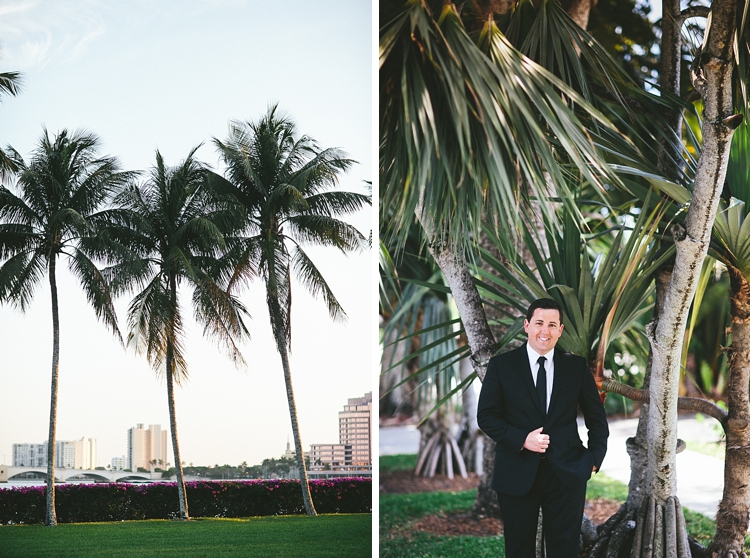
{"x": 96, "y": 289}
{"x": 335, "y": 203}
{"x": 20, "y": 275}
{"x": 325, "y": 231}
{"x": 222, "y": 317}
{"x": 311, "y": 278}
{"x": 459, "y": 127}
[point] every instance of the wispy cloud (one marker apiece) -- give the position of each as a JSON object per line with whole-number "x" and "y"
{"x": 35, "y": 34}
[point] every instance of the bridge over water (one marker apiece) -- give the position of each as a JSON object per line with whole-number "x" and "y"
{"x": 8, "y": 472}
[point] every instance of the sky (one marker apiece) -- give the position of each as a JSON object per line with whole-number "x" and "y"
{"x": 170, "y": 75}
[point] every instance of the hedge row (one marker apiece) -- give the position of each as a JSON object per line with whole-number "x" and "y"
{"x": 77, "y": 503}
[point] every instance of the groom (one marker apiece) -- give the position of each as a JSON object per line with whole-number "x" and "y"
{"x": 528, "y": 405}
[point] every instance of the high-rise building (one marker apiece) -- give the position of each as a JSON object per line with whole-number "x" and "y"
{"x": 86, "y": 453}
{"x": 30, "y": 455}
{"x": 147, "y": 448}
{"x": 65, "y": 454}
{"x": 352, "y": 456}
{"x": 78, "y": 454}
{"x": 354, "y": 429}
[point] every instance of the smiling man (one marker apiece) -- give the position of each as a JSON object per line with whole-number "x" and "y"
{"x": 528, "y": 405}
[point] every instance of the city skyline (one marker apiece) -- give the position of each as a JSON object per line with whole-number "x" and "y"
{"x": 355, "y": 429}
{"x": 170, "y": 76}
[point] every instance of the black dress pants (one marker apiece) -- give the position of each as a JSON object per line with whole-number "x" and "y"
{"x": 562, "y": 511}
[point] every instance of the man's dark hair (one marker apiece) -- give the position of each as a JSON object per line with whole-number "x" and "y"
{"x": 544, "y": 304}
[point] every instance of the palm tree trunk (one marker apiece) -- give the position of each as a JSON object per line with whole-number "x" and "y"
{"x": 273, "y": 306}
{"x": 182, "y": 494}
{"x": 51, "y": 518}
{"x": 464, "y": 291}
{"x": 734, "y": 508}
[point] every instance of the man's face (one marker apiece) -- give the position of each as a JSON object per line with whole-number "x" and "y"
{"x": 543, "y": 330}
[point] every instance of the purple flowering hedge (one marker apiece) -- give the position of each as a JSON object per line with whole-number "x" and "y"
{"x": 117, "y": 502}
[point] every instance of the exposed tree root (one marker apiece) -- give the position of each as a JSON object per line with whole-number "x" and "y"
{"x": 655, "y": 531}
{"x": 441, "y": 450}
{"x": 472, "y": 451}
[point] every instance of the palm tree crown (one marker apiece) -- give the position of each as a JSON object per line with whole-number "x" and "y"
{"x": 168, "y": 231}
{"x": 59, "y": 194}
{"x": 281, "y": 183}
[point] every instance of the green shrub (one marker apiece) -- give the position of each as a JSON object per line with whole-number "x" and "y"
{"x": 77, "y": 503}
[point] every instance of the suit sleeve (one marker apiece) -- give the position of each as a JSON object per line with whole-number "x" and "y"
{"x": 491, "y": 412}
{"x": 594, "y": 417}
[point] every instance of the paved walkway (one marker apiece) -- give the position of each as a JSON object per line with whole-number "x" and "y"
{"x": 700, "y": 478}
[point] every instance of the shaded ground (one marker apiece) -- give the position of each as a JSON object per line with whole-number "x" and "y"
{"x": 462, "y": 523}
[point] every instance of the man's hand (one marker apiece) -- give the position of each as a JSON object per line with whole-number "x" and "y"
{"x": 536, "y": 441}
{"x": 593, "y": 469}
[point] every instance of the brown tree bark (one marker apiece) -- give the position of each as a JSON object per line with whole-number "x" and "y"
{"x": 579, "y": 11}
{"x": 734, "y": 508}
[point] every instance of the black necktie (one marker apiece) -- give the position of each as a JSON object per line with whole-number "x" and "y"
{"x": 541, "y": 384}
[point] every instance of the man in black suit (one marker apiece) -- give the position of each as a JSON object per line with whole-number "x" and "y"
{"x": 540, "y": 460}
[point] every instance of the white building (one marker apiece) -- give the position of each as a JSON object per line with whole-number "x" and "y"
{"x": 65, "y": 454}
{"x": 119, "y": 463}
{"x": 147, "y": 448}
{"x": 29, "y": 455}
{"x": 352, "y": 456}
{"x": 77, "y": 454}
{"x": 80, "y": 454}
{"x": 86, "y": 453}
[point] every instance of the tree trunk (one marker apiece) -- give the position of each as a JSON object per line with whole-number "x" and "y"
{"x": 579, "y": 11}
{"x": 481, "y": 341}
{"x": 637, "y": 446}
{"x": 691, "y": 242}
{"x": 273, "y": 304}
{"x": 181, "y": 492}
{"x": 734, "y": 508}
{"x": 51, "y": 516}
{"x": 456, "y": 272}
{"x": 659, "y": 528}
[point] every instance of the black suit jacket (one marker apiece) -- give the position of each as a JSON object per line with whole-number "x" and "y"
{"x": 509, "y": 409}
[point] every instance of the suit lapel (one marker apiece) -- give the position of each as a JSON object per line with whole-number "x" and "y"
{"x": 526, "y": 377}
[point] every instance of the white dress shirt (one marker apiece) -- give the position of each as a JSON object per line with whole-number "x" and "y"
{"x": 549, "y": 367}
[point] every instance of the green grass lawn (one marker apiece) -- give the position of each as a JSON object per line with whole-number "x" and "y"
{"x": 399, "y": 511}
{"x": 287, "y": 536}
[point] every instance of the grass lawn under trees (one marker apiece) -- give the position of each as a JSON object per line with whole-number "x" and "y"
{"x": 288, "y": 536}
{"x": 399, "y": 511}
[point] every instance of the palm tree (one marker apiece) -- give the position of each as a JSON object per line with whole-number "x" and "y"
{"x": 281, "y": 182}
{"x": 163, "y": 233}
{"x": 58, "y": 195}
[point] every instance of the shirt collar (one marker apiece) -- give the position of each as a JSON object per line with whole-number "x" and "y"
{"x": 534, "y": 356}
